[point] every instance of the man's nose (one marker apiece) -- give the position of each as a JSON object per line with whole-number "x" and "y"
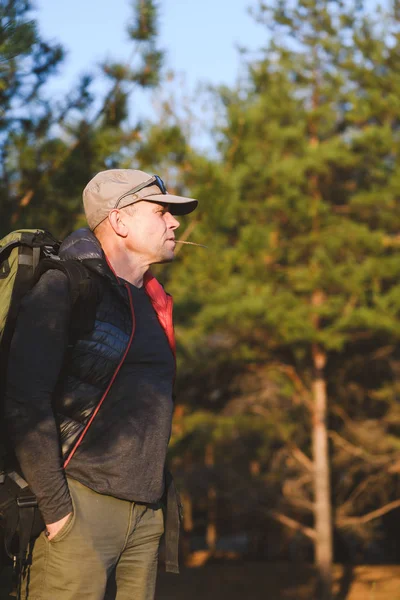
{"x": 172, "y": 222}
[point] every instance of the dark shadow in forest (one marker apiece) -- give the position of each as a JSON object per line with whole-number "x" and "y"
{"x": 345, "y": 581}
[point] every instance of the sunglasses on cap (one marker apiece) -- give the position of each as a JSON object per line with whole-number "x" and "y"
{"x": 155, "y": 180}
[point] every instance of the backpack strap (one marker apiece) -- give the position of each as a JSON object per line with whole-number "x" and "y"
{"x": 85, "y": 291}
{"x": 173, "y": 515}
{"x": 22, "y": 518}
{"x": 40, "y": 241}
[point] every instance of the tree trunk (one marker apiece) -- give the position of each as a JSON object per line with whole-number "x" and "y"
{"x": 211, "y": 533}
{"x": 322, "y": 494}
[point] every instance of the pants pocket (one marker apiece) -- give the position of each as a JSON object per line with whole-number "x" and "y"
{"x": 67, "y": 527}
{"x": 64, "y": 531}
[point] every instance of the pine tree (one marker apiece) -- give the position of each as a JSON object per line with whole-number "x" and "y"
{"x": 26, "y": 62}
{"x": 301, "y": 215}
{"x": 50, "y": 148}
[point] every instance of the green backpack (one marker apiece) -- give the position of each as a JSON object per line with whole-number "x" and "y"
{"x": 20, "y": 254}
{"x": 25, "y": 255}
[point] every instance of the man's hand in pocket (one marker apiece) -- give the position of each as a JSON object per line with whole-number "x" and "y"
{"x": 53, "y": 528}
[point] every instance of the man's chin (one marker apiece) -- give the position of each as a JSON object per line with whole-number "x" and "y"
{"x": 165, "y": 259}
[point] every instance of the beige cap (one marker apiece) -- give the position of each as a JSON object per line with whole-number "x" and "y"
{"x": 117, "y": 188}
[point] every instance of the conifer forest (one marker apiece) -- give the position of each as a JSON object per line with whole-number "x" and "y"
{"x": 286, "y": 434}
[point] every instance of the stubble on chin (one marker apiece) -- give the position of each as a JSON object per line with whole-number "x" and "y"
{"x": 164, "y": 257}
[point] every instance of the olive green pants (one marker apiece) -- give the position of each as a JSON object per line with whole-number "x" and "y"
{"x": 108, "y": 549}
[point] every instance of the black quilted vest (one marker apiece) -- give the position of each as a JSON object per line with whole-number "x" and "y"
{"x": 93, "y": 359}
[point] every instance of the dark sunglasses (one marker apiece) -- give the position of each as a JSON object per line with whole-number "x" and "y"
{"x": 155, "y": 180}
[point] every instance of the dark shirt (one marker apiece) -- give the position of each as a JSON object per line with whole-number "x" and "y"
{"x": 123, "y": 453}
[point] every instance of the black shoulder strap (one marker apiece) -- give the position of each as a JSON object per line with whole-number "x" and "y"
{"x": 85, "y": 290}
{"x": 173, "y": 518}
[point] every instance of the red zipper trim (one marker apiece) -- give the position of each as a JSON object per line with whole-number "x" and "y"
{"x": 88, "y": 424}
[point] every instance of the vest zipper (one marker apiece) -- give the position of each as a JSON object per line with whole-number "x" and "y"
{"x": 96, "y": 410}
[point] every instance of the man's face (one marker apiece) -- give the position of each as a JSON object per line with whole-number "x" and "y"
{"x": 152, "y": 232}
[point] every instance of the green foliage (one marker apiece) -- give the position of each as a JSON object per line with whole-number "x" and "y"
{"x": 306, "y": 190}
{"x": 50, "y": 148}
{"x": 299, "y": 210}
{"x": 300, "y": 213}
{"x": 144, "y": 30}
{"x": 144, "y": 27}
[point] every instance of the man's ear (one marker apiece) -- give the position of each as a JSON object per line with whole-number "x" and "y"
{"x": 117, "y": 222}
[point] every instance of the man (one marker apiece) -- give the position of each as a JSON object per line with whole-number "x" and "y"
{"x": 90, "y": 411}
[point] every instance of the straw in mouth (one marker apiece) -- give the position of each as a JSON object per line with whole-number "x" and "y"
{"x": 190, "y": 243}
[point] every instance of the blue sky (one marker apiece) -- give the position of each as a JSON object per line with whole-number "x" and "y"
{"x": 199, "y": 35}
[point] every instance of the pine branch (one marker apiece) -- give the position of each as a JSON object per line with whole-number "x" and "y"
{"x": 356, "y": 493}
{"x": 301, "y": 457}
{"x": 375, "y": 514}
{"x": 357, "y": 451}
{"x": 292, "y": 523}
{"x": 294, "y": 495}
{"x": 296, "y": 380}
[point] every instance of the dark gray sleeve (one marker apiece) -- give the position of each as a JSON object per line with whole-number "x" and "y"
{"x": 35, "y": 360}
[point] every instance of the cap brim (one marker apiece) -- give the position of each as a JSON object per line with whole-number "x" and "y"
{"x": 179, "y": 204}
